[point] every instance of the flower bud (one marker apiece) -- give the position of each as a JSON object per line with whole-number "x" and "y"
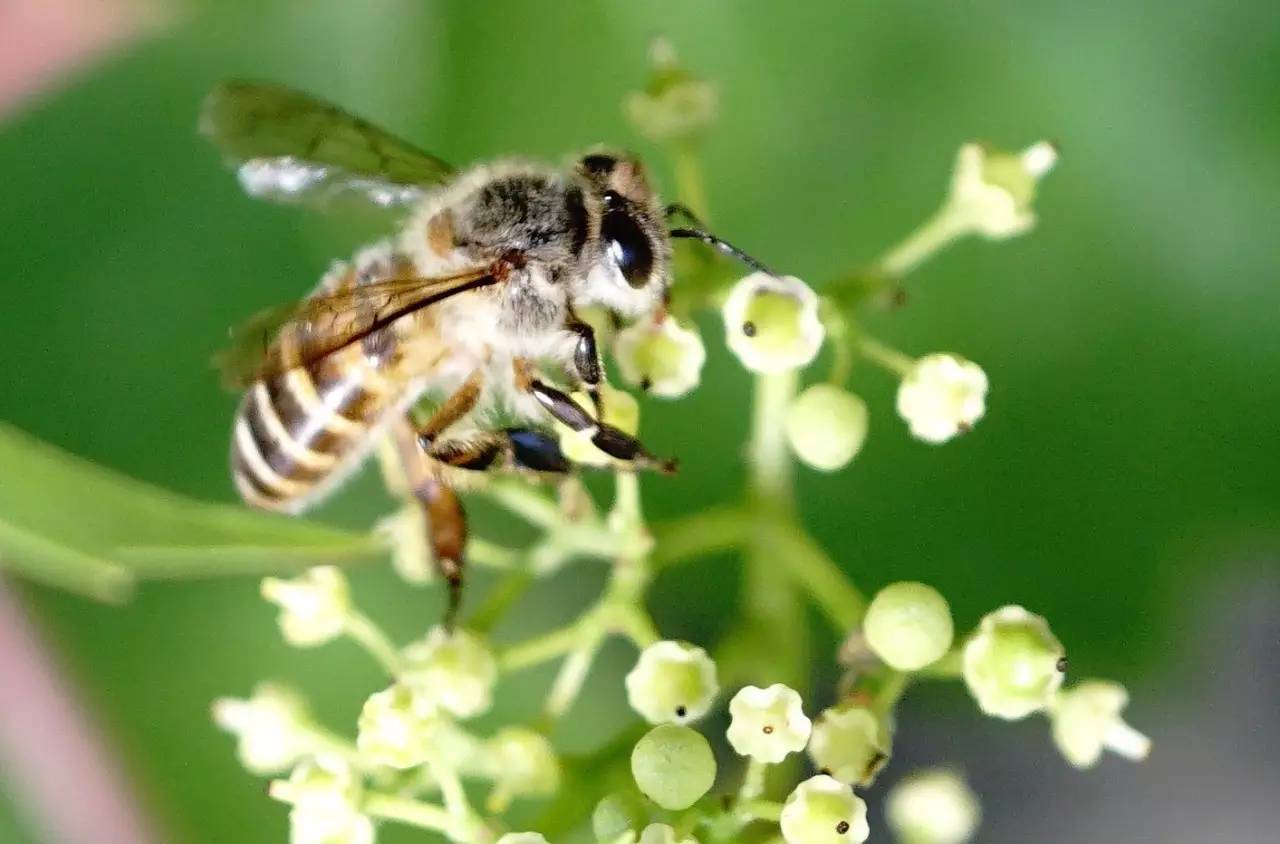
{"x": 992, "y": 191}
{"x": 395, "y": 731}
{"x": 453, "y": 670}
{"x": 822, "y": 810}
{"x": 768, "y": 724}
{"x": 826, "y": 426}
{"x": 1086, "y": 721}
{"x": 908, "y": 625}
{"x": 771, "y": 323}
{"x": 674, "y": 106}
{"x": 942, "y": 396}
{"x": 326, "y": 795}
{"x": 617, "y": 815}
{"x": 621, "y": 410}
{"x": 932, "y": 807}
{"x": 663, "y": 359}
{"x": 269, "y": 727}
{"x": 673, "y": 766}
{"x": 1013, "y": 664}
{"x": 313, "y": 606}
{"x": 850, "y": 743}
{"x": 660, "y": 833}
{"x": 672, "y": 682}
{"x": 522, "y": 838}
{"x": 522, "y": 762}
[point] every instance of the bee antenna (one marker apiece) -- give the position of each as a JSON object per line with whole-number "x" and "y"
{"x": 722, "y": 246}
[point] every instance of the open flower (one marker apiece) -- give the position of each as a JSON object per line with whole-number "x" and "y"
{"x": 326, "y": 795}
{"x": 932, "y": 807}
{"x": 313, "y": 606}
{"x": 942, "y": 396}
{"x": 771, "y": 322}
{"x": 672, "y": 682}
{"x": 992, "y": 190}
{"x": 269, "y": 726}
{"x": 850, "y": 743}
{"x": 454, "y": 670}
{"x": 395, "y": 732}
{"x": 664, "y": 359}
{"x": 1086, "y": 721}
{"x": 767, "y": 724}
{"x": 823, "y": 810}
{"x": 1013, "y": 664}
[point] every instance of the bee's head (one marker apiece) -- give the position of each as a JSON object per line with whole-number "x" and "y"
{"x": 626, "y": 256}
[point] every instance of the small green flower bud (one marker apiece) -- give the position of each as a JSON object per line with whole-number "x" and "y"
{"x": 932, "y": 807}
{"x": 618, "y": 814}
{"x": 768, "y": 724}
{"x": 992, "y": 191}
{"x": 522, "y": 762}
{"x": 826, "y": 426}
{"x": 771, "y": 323}
{"x": 672, "y": 682}
{"x": 663, "y": 359}
{"x": 269, "y": 726}
{"x": 908, "y": 625}
{"x": 942, "y": 396}
{"x": 674, "y": 106}
{"x": 313, "y": 606}
{"x": 621, "y": 410}
{"x": 1013, "y": 664}
{"x": 395, "y": 731}
{"x": 522, "y": 838}
{"x": 851, "y": 743}
{"x": 326, "y": 794}
{"x": 823, "y": 810}
{"x": 673, "y": 766}
{"x": 1086, "y": 721}
{"x": 452, "y": 670}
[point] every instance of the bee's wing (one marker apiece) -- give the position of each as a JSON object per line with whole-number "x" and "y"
{"x": 279, "y": 339}
{"x": 290, "y": 147}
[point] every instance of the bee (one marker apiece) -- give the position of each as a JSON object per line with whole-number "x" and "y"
{"x": 472, "y": 301}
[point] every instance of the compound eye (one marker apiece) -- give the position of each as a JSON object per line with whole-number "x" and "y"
{"x": 628, "y": 246}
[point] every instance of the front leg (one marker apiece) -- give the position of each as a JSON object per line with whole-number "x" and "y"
{"x": 586, "y": 361}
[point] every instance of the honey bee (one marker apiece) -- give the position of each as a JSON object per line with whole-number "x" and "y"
{"x": 471, "y": 302}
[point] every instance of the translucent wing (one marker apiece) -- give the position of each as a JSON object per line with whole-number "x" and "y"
{"x": 279, "y": 339}
{"x": 291, "y": 147}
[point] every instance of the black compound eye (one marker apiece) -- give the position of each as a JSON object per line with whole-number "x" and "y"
{"x": 628, "y": 246}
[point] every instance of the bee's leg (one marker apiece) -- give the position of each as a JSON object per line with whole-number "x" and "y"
{"x": 447, "y": 524}
{"x": 610, "y": 440}
{"x": 517, "y": 449}
{"x": 455, "y": 407}
{"x": 586, "y": 361}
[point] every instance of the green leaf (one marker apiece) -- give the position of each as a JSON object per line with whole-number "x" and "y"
{"x": 71, "y": 523}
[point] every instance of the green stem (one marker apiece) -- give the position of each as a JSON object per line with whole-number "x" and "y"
{"x": 568, "y": 683}
{"x": 891, "y": 690}
{"x": 542, "y": 648}
{"x": 950, "y": 666}
{"x": 823, "y": 581}
{"x": 369, "y": 636}
{"x": 526, "y": 502}
{"x": 506, "y": 594}
{"x": 838, "y": 335}
{"x": 916, "y": 248}
{"x": 761, "y": 810}
{"x": 690, "y": 185}
{"x": 407, "y": 811}
{"x": 718, "y": 529}
{"x": 890, "y": 358}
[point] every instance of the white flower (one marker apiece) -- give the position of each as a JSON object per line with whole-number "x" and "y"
{"x": 393, "y": 731}
{"x": 454, "y": 670}
{"x": 664, "y": 359}
{"x": 1086, "y": 721}
{"x": 672, "y": 682}
{"x": 771, "y": 322}
{"x": 1013, "y": 664}
{"x": 850, "y": 743}
{"x": 823, "y": 810}
{"x": 621, "y": 410}
{"x": 826, "y": 426}
{"x": 932, "y": 807}
{"x": 908, "y": 625}
{"x": 522, "y": 838}
{"x": 313, "y": 606}
{"x": 522, "y": 762}
{"x": 943, "y": 395}
{"x": 326, "y": 795}
{"x": 992, "y": 191}
{"x": 767, "y": 724}
{"x": 270, "y": 726}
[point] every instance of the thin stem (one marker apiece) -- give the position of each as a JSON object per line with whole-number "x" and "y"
{"x": 568, "y": 683}
{"x": 891, "y": 690}
{"x": 718, "y": 529}
{"x": 823, "y": 581}
{"x": 837, "y": 327}
{"x": 761, "y": 810}
{"x": 770, "y": 461}
{"x": 485, "y": 553}
{"x": 752, "y": 782}
{"x": 890, "y": 358}
{"x": 916, "y": 248}
{"x": 526, "y": 502}
{"x": 370, "y": 637}
{"x": 407, "y": 811}
{"x": 949, "y": 666}
{"x": 690, "y": 185}
{"x": 506, "y": 594}
{"x": 542, "y": 648}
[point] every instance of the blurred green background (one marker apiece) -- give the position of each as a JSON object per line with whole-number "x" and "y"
{"x": 1129, "y": 453}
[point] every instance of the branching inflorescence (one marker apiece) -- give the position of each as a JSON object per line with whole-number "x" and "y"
{"x": 414, "y": 761}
